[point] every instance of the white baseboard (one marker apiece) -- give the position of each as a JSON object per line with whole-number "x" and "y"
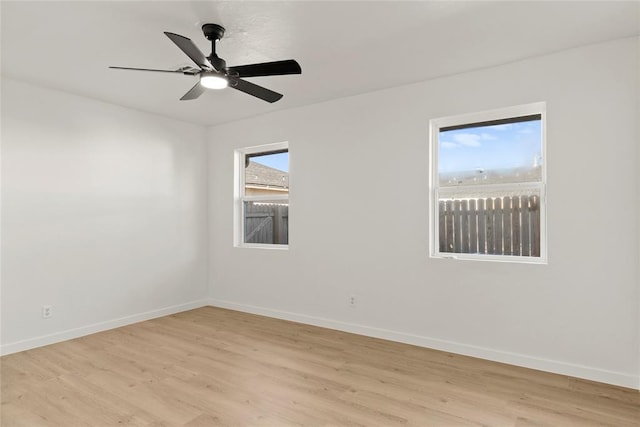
{"x": 69, "y": 334}
{"x": 553, "y": 366}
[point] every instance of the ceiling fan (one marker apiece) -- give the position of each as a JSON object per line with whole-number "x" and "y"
{"x": 213, "y": 71}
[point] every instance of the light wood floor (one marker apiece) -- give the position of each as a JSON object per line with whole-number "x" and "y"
{"x": 210, "y": 366}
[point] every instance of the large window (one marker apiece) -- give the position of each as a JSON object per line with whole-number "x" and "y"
{"x": 262, "y": 196}
{"x": 487, "y": 185}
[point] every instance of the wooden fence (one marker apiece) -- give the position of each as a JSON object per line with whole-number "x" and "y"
{"x": 497, "y": 226}
{"x": 266, "y": 223}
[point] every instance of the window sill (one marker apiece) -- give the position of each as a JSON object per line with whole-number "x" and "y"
{"x": 491, "y": 258}
{"x": 262, "y": 246}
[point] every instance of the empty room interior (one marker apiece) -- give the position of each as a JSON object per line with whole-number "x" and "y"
{"x": 320, "y": 213}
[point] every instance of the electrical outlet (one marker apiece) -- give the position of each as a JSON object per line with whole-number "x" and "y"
{"x": 47, "y": 311}
{"x": 352, "y": 301}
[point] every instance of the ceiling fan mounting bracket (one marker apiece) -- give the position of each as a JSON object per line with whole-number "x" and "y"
{"x": 213, "y": 31}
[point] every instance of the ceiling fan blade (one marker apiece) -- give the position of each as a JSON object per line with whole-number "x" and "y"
{"x": 190, "y": 49}
{"x": 255, "y": 90}
{"x": 276, "y": 68}
{"x": 194, "y": 92}
{"x": 187, "y": 71}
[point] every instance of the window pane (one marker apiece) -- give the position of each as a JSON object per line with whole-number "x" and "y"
{"x": 266, "y": 222}
{"x": 490, "y": 154}
{"x": 267, "y": 174}
{"x": 490, "y": 223}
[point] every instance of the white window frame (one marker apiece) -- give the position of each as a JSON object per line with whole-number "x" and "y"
{"x": 435, "y": 191}
{"x": 240, "y": 197}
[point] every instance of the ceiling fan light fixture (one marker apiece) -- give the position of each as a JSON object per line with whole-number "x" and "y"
{"x": 213, "y": 80}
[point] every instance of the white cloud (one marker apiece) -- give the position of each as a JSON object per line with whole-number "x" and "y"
{"x": 448, "y": 145}
{"x": 468, "y": 139}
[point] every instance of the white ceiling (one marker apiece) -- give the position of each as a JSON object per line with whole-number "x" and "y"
{"x": 344, "y": 48}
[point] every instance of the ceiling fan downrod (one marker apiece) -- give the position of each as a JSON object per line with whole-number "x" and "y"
{"x": 214, "y": 32}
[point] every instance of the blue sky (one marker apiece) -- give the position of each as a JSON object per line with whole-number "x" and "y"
{"x": 278, "y": 161}
{"x": 490, "y": 147}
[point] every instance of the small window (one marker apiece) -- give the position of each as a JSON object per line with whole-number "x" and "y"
{"x": 488, "y": 185}
{"x": 262, "y": 196}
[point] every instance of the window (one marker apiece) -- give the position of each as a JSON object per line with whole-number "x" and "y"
{"x": 487, "y": 185}
{"x": 262, "y": 196}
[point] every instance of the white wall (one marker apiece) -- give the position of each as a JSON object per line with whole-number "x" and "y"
{"x": 103, "y": 215}
{"x": 359, "y": 174}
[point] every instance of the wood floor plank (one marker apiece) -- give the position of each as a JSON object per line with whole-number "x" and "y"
{"x": 216, "y": 367}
